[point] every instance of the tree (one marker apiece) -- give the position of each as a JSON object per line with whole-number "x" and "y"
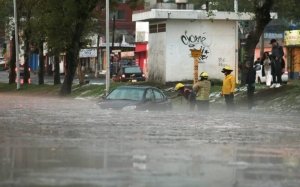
{"x": 262, "y": 18}
{"x": 66, "y": 30}
{"x": 38, "y": 37}
{"x": 25, "y": 10}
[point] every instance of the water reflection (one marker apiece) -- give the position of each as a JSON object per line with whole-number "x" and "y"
{"x": 207, "y": 165}
{"x": 269, "y": 166}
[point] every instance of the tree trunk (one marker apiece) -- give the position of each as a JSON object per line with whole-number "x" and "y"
{"x": 26, "y": 57}
{"x": 42, "y": 64}
{"x": 262, "y": 18}
{"x": 70, "y": 69}
{"x": 73, "y": 48}
{"x": 72, "y": 54}
{"x": 12, "y": 64}
{"x": 56, "y": 75}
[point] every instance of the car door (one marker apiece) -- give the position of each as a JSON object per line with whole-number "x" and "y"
{"x": 149, "y": 100}
{"x": 160, "y": 100}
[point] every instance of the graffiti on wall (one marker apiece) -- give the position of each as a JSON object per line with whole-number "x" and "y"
{"x": 222, "y": 62}
{"x": 199, "y": 42}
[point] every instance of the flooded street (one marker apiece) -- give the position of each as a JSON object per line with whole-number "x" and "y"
{"x": 55, "y": 142}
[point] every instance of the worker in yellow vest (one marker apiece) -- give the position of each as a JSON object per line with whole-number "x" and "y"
{"x": 202, "y": 90}
{"x": 228, "y": 87}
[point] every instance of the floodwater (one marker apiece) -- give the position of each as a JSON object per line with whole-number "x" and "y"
{"x": 55, "y": 142}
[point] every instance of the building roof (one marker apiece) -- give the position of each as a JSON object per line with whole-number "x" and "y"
{"x": 163, "y": 14}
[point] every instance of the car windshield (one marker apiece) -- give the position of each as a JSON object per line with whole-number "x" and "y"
{"x": 135, "y": 94}
{"x": 132, "y": 70}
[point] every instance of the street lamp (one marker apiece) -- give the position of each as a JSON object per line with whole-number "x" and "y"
{"x": 17, "y": 46}
{"x": 107, "y": 48}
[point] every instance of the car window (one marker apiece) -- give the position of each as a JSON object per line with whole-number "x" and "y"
{"x": 149, "y": 95}
{"x": 158, "y": 96}
{"x": 132, "y": 70}
{"x": 134, "y": 94}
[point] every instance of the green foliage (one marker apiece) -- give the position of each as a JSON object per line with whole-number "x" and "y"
{"x": 6, "y": 11}
{"x": 285, "y": 8}
{"x": 135, "y": 3}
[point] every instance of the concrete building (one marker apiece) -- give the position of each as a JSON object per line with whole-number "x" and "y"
{"x": 174, "y": 32}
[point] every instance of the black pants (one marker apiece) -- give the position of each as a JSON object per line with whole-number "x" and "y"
{"x": 229, "y": 100}
{"x": 250, "y": 95}
{"x": 277, "y": 78}
{"x": 202, "y": 105}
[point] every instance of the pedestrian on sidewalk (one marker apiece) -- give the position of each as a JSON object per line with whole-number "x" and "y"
{"x": 250, "y": 81}
{"x": 277, "y": 64}
{"x": 266, "y": 68}
{"x": 202, "y": 91}
{"x": 228, "y": 87}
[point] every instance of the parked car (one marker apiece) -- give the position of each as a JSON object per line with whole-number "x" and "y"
{"x": 136, "y": 98}
{"x": 3, "y": 65}
{"x": 129, "y": 73}
{"x": 262, "y": 79}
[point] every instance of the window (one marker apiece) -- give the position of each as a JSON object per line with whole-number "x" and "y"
{"x": 161, "y": 27}
{"x": 158, "y": 96}
{"x": 120, "y": 14}
{"x": 149, "y": 95}
{"x": 157, "y": 28}
{"x": 153, "y": 29}
{"x": 132, "y": 70}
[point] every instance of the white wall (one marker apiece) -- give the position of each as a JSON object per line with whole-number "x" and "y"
{"x": 142, "y": 31}
{"x": 157, "y": 57}
{"x": 217, "y": 38}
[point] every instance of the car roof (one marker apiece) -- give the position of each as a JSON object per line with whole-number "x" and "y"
{"x": 130, "y": 66}
{"x": 137, "y": 86}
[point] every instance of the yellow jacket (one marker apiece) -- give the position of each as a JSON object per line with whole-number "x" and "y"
{"x": 228, "y": 84}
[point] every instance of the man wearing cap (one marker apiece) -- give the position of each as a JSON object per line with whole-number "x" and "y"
{"x": 277, "y": 64}
{"x": 228, "y": 87}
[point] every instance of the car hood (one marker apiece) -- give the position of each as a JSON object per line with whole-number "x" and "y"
{"x": 117, "y": 104}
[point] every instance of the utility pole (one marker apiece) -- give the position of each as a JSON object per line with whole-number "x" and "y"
{"x": 107, "y": 49}
{"x": 237, "y": 40}
{"x": 17, "y": 46}
{"x": 113, "y": 43}
{"x": 97, "y": 60}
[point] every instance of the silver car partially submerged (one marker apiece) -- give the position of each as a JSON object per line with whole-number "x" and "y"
{"x": 136, "y": 98}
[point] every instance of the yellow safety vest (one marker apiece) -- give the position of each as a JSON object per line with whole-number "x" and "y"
{"x": 202, "y": 89}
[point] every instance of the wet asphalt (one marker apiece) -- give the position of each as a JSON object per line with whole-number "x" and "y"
{"x": 59, "y": 142}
